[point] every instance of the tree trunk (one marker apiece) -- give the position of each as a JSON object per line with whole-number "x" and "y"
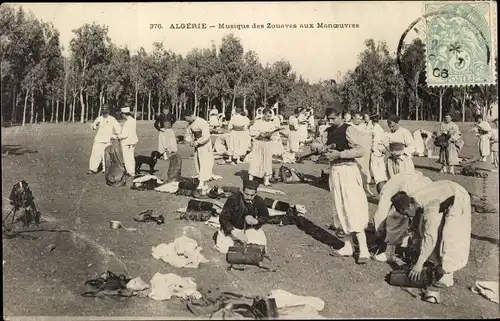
{"x": 223, "y": 106}
{"x": 64, "y": 103}
{"x": 378, "y": 108}
{"x": 101, "y": 99}
{"x": 25, "y": 107}
{"x": 254, "y": 108}
{"x": 74, "y": 107}
{"x": 234, "y": 98}
{"x": 14, "y": 106}
{"x": 397, "y": 105}
{"x": 82, "y": 103}
{"x": 32, "y": 105}
{"x": 159, "y": 103}
{"x": 136, "y": 93}
{"x": 416, "y": 95}
{"x": 142, "y": 108}
{"x": 89, "y": 106}
{"x": 92, "y": 108}
{"x": 44, "y": 107}
{"x": 244, "y": 102}
{"x": 208, "y": 108}
{"x": 57, "y": 111}
{"x": 196, "y": 109}
{"x": 149, "y": 105}
{"x": 52, "y": 111}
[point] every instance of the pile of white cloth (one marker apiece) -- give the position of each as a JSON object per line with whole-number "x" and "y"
{"x": 488, "y": 289}
{"x": 291, "y": 306}
{"x": 147, "y": 177}
{"x": 182, "y": 252}
{"x": 171, "y": 188}
{"x": 164, "y": 286}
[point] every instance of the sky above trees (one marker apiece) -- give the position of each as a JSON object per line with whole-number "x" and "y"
{"x": 314, "y": 53}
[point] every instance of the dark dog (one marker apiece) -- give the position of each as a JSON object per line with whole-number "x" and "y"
{"x": 151, "y": 161}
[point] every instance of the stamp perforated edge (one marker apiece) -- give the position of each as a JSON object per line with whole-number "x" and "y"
{"x": 494, "y": 51}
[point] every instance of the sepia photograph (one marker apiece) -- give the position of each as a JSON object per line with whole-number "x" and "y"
{"x": 249, "y": 160}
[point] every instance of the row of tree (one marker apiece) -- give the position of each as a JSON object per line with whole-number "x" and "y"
{"x": 40, "y": 84}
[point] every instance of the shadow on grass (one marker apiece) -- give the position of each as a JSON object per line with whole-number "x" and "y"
{"x": 316, "y": 181}
{"x": 429, "y": 168}
{"x": 17, "y": 150}
{"x": 318, "y": 233}
{"x": 491, "y": 240}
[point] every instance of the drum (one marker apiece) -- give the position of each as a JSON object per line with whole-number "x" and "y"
{"x": 246, "y": 254}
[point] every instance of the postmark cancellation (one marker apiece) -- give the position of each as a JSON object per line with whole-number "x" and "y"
{"x": 460, "y": 43}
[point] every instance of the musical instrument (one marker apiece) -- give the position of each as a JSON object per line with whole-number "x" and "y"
{"x": 400, "y": 278}
{"x": 246, "y": 254}
{"x": 316, "y": 152}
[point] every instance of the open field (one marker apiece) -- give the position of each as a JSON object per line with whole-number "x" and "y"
{"x": 54, "y": 160}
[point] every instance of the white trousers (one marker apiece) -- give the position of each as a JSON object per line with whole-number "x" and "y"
{"x": 350, "y": 204}
{"x": 129, "y": 158}
{"x": 204, "y": 162}
{"x": 97, "y": 156}
{"x": 224, "y": 242}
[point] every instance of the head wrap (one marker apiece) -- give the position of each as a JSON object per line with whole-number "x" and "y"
{"x": 400, "y": 201}
{"x": 252, "y": 185}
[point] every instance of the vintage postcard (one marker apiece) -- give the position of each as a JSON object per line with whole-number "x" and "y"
{"x": 261, "y": 160}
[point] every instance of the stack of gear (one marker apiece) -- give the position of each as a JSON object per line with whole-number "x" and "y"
{"x": 470, "y": 170}
{"x": 247, "y": 254}
{"x": 286, "y": 175}
{"x": 292, "y": 211}
{"x": 442, "y": 141}
{"x": 189, "y": 187}
{"x": 147, "y": 216}
{"x": 146, "y": 182}
{"x": 108, "y": 284}
{"x": 174, "y": 168}
{"x": 21, "y": 197}
{"x": 199, "y": 211}
{"x": 228, "y": 305}
{"x": 115, "y": 172}
{"x": 397, "y": 149}
{"x": 218, "y": 192}
{"x": 279, "y": 304}
{"x": 400, "y": 278}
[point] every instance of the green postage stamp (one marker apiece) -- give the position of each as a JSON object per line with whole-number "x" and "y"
{"x": 460, "y": 43}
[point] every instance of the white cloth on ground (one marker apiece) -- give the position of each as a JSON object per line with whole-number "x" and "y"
{"x": 182, "y": 252}
{"x": 303, "y": 306}
{"x": 137, "y": 284}
{"x": 171, "y": 188}
{"x": 213, "y": 222}
{"x": 165, "y": 286}
{"x": 254, "y": 236}
{"x": 488, "y": 289}
{"x": 146, "y": 178}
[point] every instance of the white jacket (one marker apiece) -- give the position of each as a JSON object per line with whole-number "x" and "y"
{"x": 128, "y": 136}
{"x": 106, "y": 127}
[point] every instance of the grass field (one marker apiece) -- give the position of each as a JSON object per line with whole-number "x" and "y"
{"x": 54, "y": 160}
